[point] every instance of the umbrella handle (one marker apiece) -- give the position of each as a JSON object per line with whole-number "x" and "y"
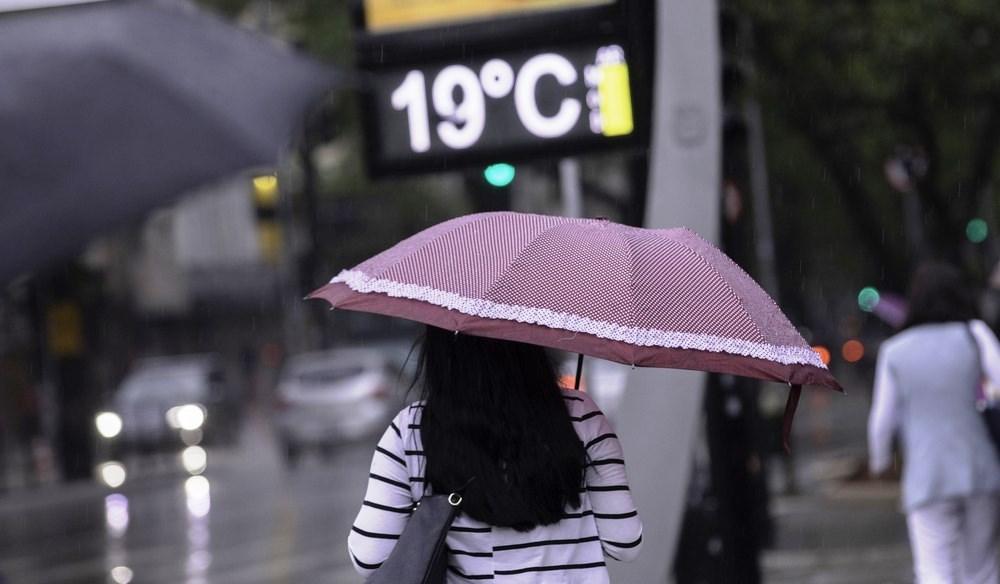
{"x": 579, "y": 371}
{"x": 786, "y": 423}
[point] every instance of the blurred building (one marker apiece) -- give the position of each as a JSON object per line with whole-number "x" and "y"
{"x": 206, "y": 275}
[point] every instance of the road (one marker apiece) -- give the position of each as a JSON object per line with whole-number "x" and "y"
{"x": 257, "y": 523}
{"x": 261, "y": 524}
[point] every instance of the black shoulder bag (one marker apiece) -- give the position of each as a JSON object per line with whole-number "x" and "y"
{"x": 420, "y": 555}
{"x": 989, "y": 408}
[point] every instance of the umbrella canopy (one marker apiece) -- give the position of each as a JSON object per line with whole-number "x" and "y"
{"x": 643, "y": 297}
{"x": 111, "y": 108}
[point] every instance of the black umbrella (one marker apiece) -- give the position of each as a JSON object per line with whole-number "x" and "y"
{"x": 111, "y": 108}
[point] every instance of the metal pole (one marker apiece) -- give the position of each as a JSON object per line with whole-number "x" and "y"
{"x": 579, "y": 371}
{"x": 659, "y": 417}
{"x": 763, "y": 228}
{"x": 571, "y": 187}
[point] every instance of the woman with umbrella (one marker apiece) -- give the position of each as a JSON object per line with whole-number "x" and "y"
{"x": 492, "y": 412}
{"x": 549, "y": 496}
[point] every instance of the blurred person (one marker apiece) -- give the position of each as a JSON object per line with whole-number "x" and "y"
{"x": 925, "y": 389}
{"x": 548, "y": 497}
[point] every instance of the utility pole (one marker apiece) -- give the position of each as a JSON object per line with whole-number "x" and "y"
{"x": 659, "y": 417}
{"x": 727, "y": 522}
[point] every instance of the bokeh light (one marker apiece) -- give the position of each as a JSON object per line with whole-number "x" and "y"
{"x": 977, "y": 230}
{"x": 823, "y": 352}
{"x": 198, "y": 493}
{"x": 852, "y": 351}
{"x": 266, "y": 189}
{"x": 113, "y": 474}
{"x": 500, "y": 174}
{"x": 194, "y": 459}
{"x": 190, "y": 416}
{"x": 116, "y": 514}
{"x": 121, "y": 575}
{"x": 868, "y": 298}
{"x": 109, "y": 424}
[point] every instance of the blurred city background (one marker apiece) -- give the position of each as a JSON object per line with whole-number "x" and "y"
{"x": 171, "y": 410}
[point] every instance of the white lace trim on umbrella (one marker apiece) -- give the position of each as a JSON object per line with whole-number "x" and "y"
{"x": 643, "y": 337}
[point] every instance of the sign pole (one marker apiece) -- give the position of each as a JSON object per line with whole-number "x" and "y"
{"x": 571, "y": 187}
{"x": 661, "y": 411}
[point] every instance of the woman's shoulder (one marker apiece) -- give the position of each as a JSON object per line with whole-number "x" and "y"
{"x": 410, "y": 414}
{"x": 579, "y": 404}
{"x": 918, "y": 335}
{"x": 407, "y": 418}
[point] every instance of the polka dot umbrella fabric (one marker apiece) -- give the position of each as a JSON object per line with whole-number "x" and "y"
{"x": 643, "y": 297}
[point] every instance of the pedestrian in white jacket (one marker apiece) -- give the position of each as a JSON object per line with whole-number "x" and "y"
{"x": 925, "y": 390}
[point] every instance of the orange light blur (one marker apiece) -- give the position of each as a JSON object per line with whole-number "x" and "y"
{"x": 852, "y": 351}
{"x": 568, "y": 381}
{"x": 823, "y": 352}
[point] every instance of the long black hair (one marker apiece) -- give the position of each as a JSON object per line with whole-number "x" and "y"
{"x": 939, "y": 292}
{"x": 493, "y": 413}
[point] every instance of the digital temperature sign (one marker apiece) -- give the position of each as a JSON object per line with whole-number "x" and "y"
{"x": 509, "y": 102}
{"x": 540, "y": 83}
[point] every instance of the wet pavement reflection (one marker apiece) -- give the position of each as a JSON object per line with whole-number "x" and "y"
{"x": 244, "y": 520}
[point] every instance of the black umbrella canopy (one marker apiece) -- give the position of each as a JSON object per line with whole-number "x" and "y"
{"x": 111, "y": 108}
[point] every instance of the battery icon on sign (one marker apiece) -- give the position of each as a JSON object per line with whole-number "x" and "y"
{"x": 615, "y": 97}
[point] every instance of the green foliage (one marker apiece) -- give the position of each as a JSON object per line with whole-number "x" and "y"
{"x": 844, "y": 85}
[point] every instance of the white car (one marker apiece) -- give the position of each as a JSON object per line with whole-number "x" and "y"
{"x": 328, "y": 397}
{"x": 170, "y": 401}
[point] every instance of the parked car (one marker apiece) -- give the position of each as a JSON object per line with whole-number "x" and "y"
{"x": 329, "y": 397}
{"x": 167, "y": 402}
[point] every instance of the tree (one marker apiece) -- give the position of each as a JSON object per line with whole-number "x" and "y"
{"x": 845, "y": 86}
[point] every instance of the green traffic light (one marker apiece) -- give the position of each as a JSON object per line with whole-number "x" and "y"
{"x": 868, "y": 298}
{"x": 977, "y": 230}
{"x": 500, "y": 174}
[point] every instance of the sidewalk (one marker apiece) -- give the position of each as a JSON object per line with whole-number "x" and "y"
{"x": 837, "y": 529}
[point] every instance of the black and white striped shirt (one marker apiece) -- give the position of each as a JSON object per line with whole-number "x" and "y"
{"x": 570, "y": 551}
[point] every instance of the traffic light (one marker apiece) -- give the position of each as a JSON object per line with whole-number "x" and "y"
{"x": 868, "y": 298}
{"x": 266, "y": 199}
{"x": 977, "y": 230}
{"x": 489, "y": 189}
{"x": 500, "y": 174}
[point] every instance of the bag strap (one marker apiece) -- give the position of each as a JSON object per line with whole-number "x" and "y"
{"x": 454, "y": 497}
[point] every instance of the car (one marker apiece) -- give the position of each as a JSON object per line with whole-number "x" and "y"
{"x": 326, "y": 398}
{"x": 166, "y": 402}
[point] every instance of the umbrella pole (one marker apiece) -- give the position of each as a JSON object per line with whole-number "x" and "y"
{"x": 579, "y": 371}
{"x": 786, "y": 423}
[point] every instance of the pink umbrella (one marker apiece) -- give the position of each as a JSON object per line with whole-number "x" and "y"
{"x": 643, "y": 297}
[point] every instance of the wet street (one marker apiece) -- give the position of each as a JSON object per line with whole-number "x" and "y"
{"x": 249, "y": 521}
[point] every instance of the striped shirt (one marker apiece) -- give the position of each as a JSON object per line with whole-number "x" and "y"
{"x": 570, "y": 551}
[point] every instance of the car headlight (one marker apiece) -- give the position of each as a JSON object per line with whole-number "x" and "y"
{"x": 112, "y": 474}
{"x": 194, "y": 459}
{"x": 109, "y": 424}
{"x": 186, "y": 417}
